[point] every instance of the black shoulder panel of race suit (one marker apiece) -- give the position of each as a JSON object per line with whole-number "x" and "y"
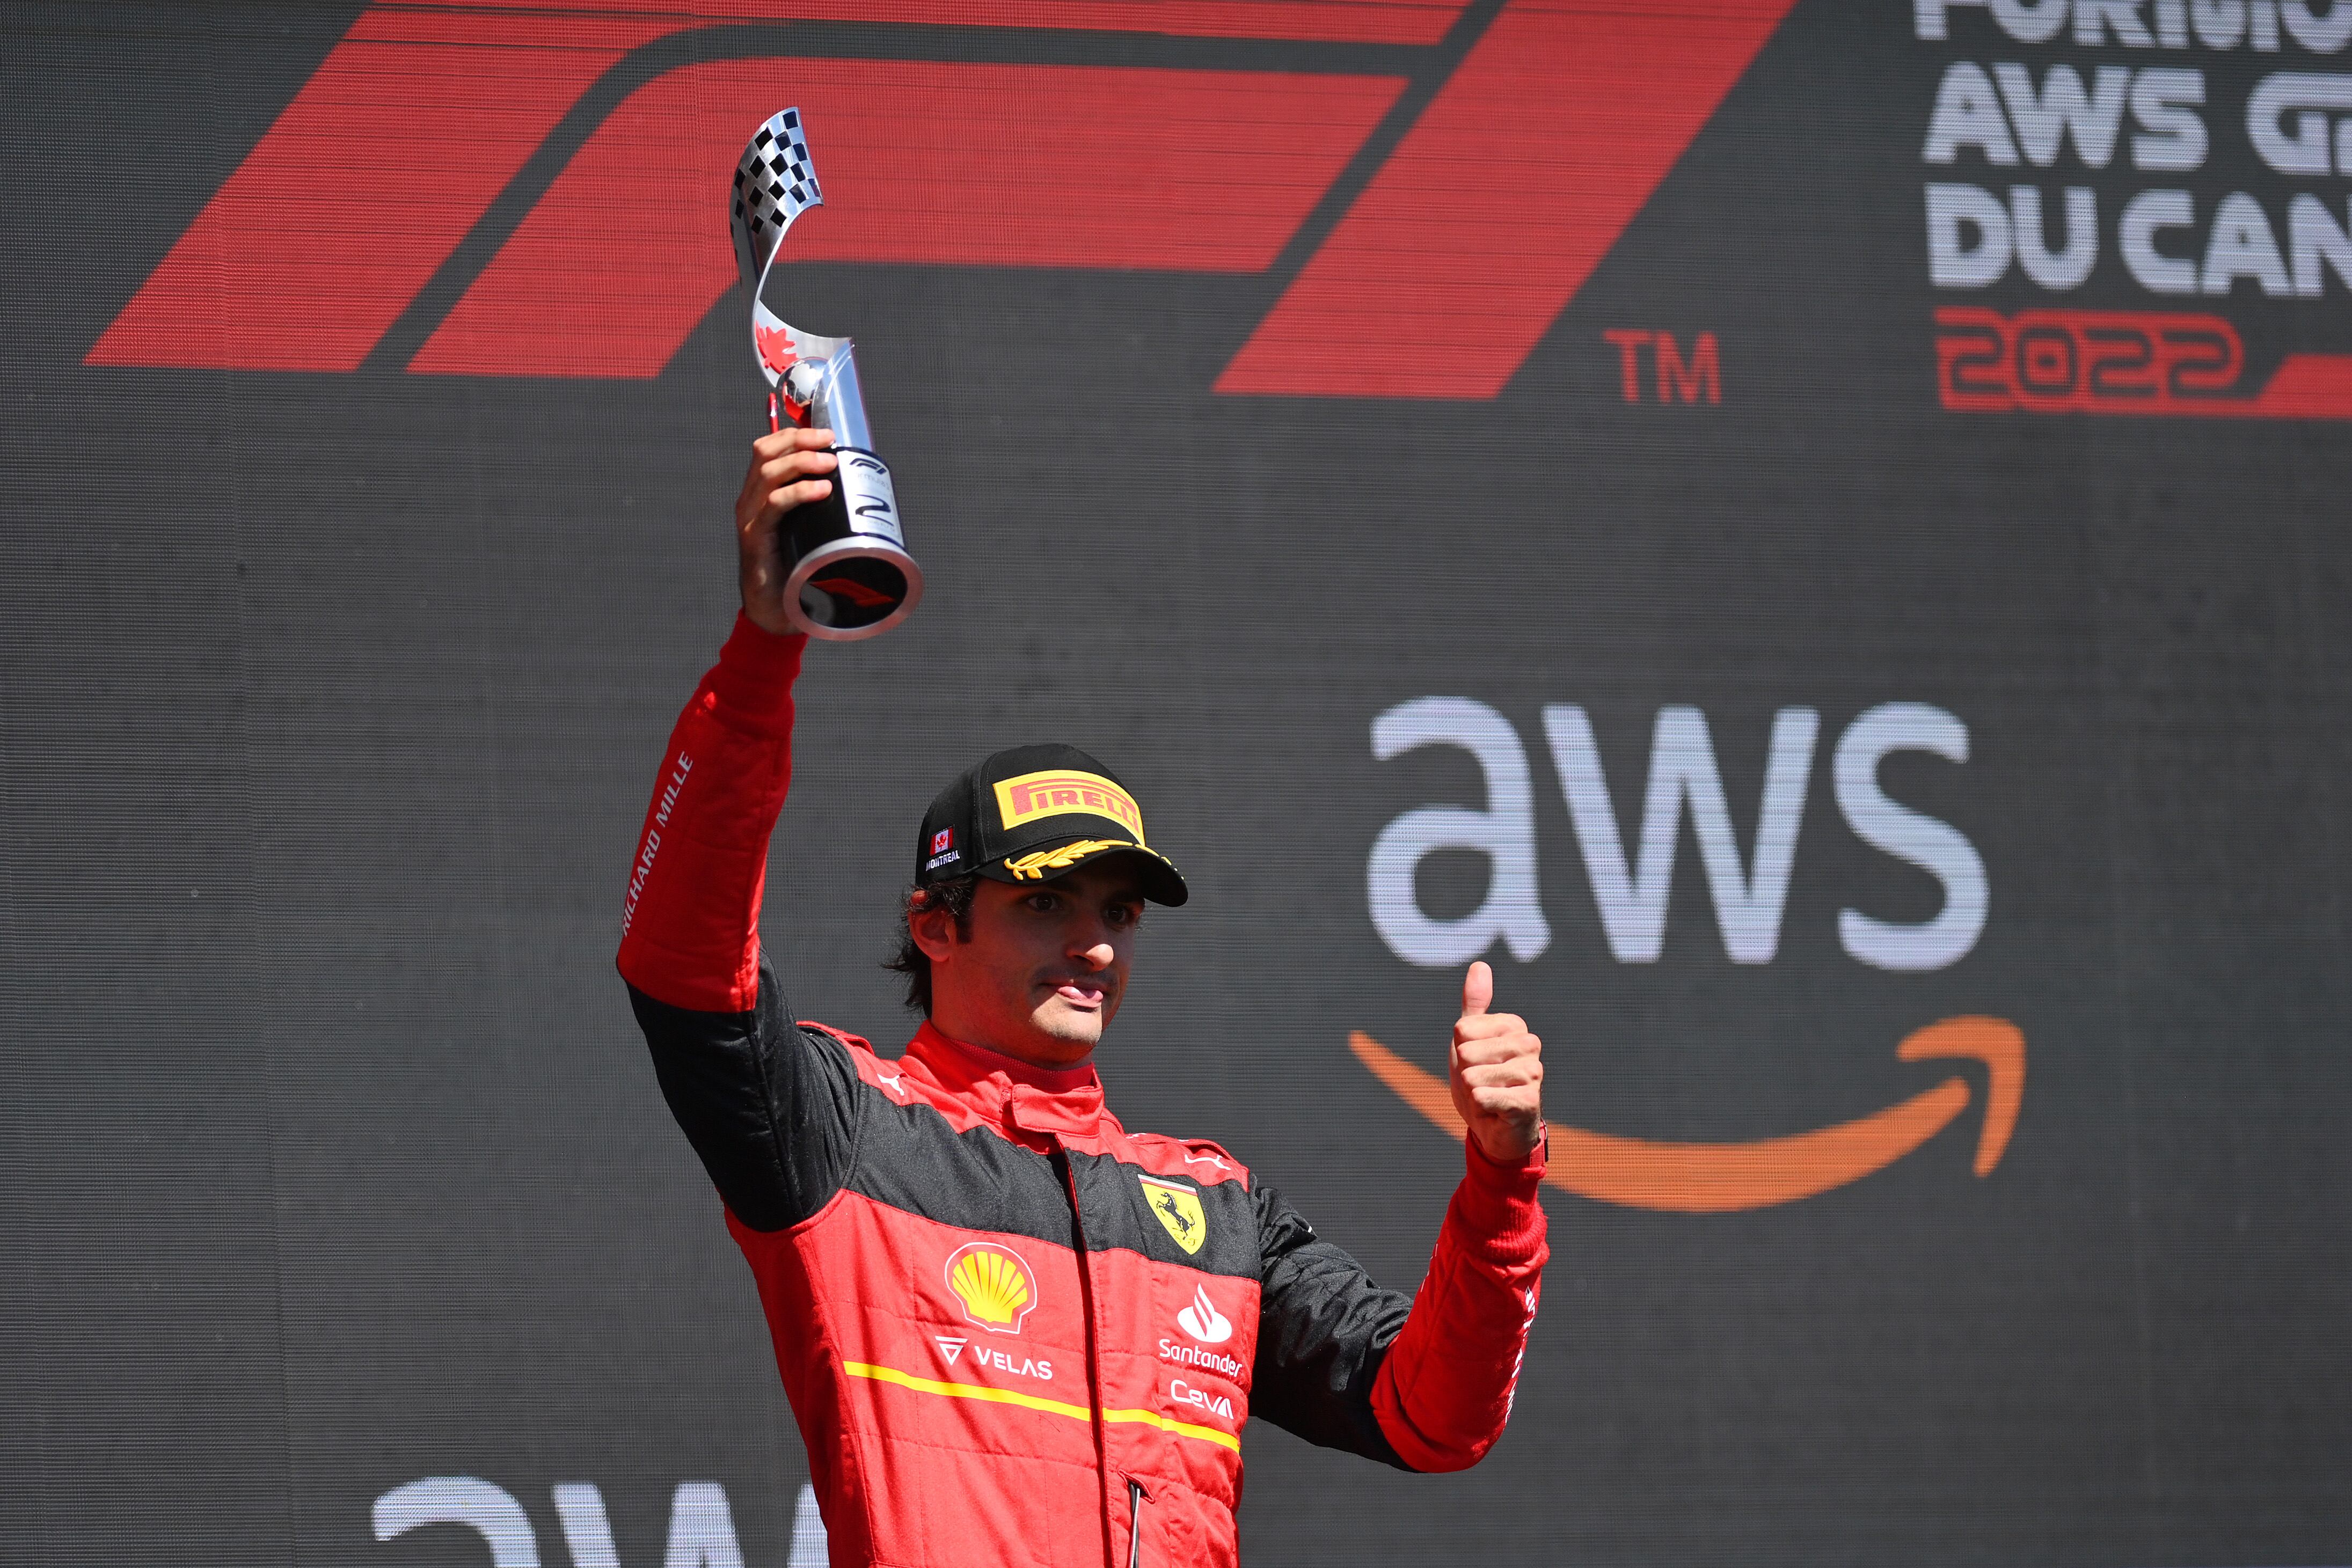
{"x": 1123, "y": 1209}
{"x": 913, "y": 1159}
{"x": 773, "y": 1109}
{"x": 1323, "y": 1330}
{"x": 910, "y": 1158}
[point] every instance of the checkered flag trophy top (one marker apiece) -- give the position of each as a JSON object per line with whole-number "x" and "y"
{"x": 850, "y": 574}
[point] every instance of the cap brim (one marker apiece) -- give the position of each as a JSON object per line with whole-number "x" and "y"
{"x": 1162, "y": 882}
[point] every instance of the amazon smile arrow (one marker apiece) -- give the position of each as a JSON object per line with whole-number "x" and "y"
{"x": 1715, "y": 1178}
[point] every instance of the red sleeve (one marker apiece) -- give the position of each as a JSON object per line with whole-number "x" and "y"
{"x": 690, "y": 926}
{"x": 1444, "y": 1392}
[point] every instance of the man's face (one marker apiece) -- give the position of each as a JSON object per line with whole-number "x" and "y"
{"x": 1046, "y": 966}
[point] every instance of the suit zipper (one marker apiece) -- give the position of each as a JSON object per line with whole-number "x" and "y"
{"x": 1087, "y": 1300}
{"x": 1136, "y": 1498}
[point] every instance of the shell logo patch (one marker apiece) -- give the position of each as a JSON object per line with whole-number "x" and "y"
{"x": 996, "y": 1288}
{"x": 1178, "y": 1209}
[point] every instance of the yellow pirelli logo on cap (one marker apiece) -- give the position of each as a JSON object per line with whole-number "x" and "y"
{"x": 1060, "y": 793}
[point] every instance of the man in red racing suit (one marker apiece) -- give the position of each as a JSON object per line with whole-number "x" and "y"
{"x": 1012, "y": 1330}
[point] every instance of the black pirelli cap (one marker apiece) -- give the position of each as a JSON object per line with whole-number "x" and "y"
{"x": 1034, "y": 813}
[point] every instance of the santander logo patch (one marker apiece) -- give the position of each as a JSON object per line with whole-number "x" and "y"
{"x": 1202, "y": 1321}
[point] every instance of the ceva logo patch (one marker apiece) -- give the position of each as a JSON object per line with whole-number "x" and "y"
{"x": 454, "y": 186}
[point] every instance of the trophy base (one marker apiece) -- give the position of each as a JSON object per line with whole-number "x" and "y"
{"x": 853, "y": 589}
{"x": 852, "y": 577}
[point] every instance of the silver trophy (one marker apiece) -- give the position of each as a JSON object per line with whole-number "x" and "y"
{"x": 850, "y": 575}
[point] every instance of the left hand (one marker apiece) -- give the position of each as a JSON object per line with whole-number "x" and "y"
{"x": 1495, "y": 1070}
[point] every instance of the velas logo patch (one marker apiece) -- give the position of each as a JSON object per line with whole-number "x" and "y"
{"x": 1062, "y": 792}
{"x": 994, "y": 1284}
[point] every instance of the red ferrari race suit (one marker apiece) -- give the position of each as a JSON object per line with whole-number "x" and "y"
{"x": 1012, "y": 1330}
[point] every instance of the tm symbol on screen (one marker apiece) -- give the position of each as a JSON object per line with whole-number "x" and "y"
{"x": 1677, "y": 375}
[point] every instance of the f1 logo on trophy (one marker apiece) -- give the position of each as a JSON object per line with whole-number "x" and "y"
{"x": 850, "y": 575}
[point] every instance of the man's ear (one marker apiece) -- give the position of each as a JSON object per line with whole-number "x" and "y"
{"x": 933, "y": 929}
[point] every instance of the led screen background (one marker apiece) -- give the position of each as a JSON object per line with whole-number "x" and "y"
{"x": 1266, "y": 370}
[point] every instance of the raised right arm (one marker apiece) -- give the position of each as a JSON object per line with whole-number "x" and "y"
{"x": 769, "y": 1106}
{"x": 690, "y": 923}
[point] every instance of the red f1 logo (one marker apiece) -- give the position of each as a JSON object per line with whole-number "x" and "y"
{"x": 1501, "y": 198}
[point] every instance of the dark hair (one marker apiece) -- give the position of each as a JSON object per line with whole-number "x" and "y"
{"x": 955, "y": 896}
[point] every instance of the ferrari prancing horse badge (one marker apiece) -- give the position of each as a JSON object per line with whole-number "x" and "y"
{"x": 1178, "y": 1209}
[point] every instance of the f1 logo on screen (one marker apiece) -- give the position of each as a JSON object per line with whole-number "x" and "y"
{"x": 1409, "y": 110}
{"x": 1749, "y": 900}
{"x": 1397, "y": 157}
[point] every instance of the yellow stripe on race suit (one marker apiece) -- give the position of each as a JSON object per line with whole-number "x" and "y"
{"x": 1034, "y": 1402}
{"x": 1181, "y": 1428}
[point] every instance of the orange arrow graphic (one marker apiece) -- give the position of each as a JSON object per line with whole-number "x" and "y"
{"x": 1714, "y": 1178}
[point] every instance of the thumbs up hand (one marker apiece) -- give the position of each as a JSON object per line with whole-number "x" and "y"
{"x": 1495, "y": 1070}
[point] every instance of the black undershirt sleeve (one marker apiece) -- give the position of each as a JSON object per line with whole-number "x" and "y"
{"x": 772, "y": 1108}
{"x": 1323, "y": 1330}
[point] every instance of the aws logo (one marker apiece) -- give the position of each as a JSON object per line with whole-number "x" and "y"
{"x": 534, "y": 189}
{"x": 1750, "y": 893}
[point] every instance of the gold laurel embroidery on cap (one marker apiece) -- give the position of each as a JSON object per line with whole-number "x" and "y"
{"x": 1037, "y": 864}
